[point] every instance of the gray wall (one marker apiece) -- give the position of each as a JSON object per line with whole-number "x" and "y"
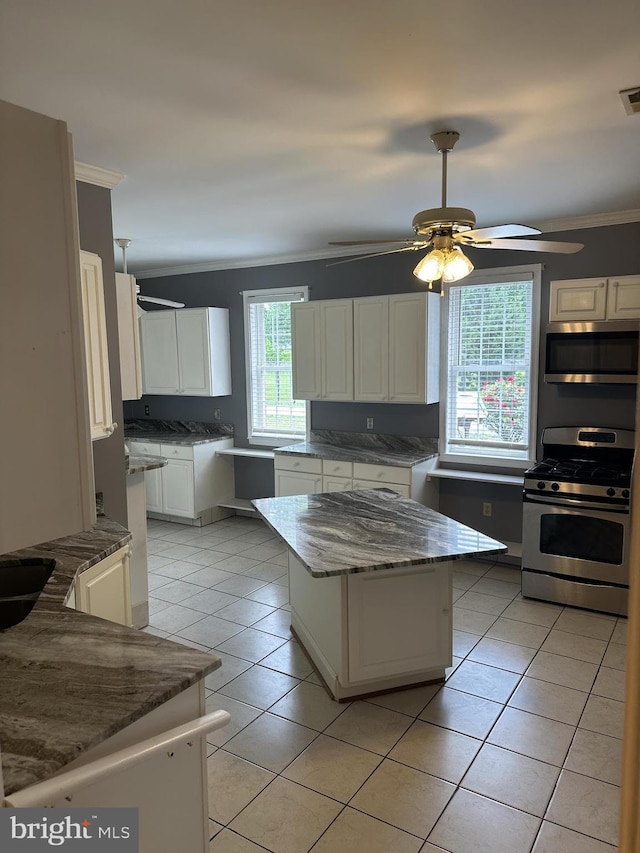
{"x": 96, "y": 235}
{"x": 608, "y": 251}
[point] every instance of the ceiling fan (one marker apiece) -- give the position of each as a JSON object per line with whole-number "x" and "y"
{"x": 445, "y": 230}
{"x": 124, "y": 243}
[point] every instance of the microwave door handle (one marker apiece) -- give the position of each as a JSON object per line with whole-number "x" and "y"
{"x": 575, "y": 502}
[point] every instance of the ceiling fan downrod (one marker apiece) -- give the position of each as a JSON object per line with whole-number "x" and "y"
{"x": 444, "y": 141}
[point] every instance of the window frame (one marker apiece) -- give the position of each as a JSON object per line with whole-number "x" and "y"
{"x": 275, "y": 439}
{"x": 465, "y": 460}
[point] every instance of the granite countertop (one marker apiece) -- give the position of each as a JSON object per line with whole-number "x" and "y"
{"x": 137, "y": 462}
{"x": 342, "y": 533}
{"x": 68, "y": 681}
{"x": 352, "y": 453}
{"x": 187, "y": 439}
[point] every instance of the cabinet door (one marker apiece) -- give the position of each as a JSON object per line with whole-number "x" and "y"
{"x": 306, "y": 351}
{"x": 623, "y": 298}
{"x": 103, "y": 589}
{"x": 337, "y": 349}
{"x": 578, "y": 299}
{"x": 414, "y": 348}
{"x": 178, "y": 496}
{"x": 376, "y": 484}
{"x": 159, "y": 352}
{"x": 337, "y": 484}
{"x": 414, "y": 605}
{"x": 192, "y": 329}
{"x": 128, "y": 337}
{"x": 371, "y": 348}
{"x": 96, "y": 349}
{"x": 153, "y": 489}
{"x": 288, "y": 483}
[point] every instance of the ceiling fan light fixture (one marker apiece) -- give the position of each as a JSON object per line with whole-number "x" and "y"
{"x": 431, "y": 267}
{"x": 457, "y": 265}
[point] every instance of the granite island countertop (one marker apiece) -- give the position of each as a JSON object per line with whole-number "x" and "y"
{"x": 68, "y": 680}
{"x": 368, "y": 530}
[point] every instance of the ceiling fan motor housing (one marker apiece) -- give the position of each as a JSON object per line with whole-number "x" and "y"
{"x": 446, "y": 218}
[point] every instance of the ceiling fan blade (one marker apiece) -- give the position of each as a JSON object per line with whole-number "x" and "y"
{"x": 529, "y": 246}
{"x": 377, "y": 254}
{"x": 370, "y": 242}
{"x": 497, "y": 231}
{"x": 169, "y": 303}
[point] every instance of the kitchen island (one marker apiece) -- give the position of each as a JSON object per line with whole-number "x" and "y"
{"x": 370, "y": 582}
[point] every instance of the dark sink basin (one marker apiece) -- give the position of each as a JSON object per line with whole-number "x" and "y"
{"x": 20, "y": 585}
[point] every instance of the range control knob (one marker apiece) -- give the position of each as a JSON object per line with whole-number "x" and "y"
{"x": 625, "y": 493}
{"x": 555, "y": 486}
{"x": 541, "y": 484}
{"x": 611, "y": 492}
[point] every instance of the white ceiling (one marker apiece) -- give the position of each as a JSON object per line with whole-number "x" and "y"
{"x": 256, "y": 130}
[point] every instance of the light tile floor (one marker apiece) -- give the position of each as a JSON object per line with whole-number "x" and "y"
{"x": 520, "y": 750}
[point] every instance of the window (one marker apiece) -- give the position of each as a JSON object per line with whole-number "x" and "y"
{"x": 491, "y": 339}
{"x": 273, "y": 416}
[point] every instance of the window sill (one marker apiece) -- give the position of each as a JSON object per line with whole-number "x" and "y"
{"x": 478, "y": 476}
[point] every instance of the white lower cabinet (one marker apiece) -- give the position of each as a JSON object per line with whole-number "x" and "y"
{"x": 304, "y": 475}
{"x": 104, "y": 589}
{"x": 193, "y": 482}
{"x": 374, "y": 631}
{"x": 297, "y": 475}
{"x": 168, "y": 787}
{"x": 415, "y": 607}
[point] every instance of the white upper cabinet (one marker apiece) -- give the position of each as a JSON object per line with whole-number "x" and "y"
{"x": 128, "y": 337}
{"x": 322, "y": 342}
{"x": 623, "y": 298}
{"x": 186, "y": 351}
{"x": 96, "y": 349}
{"x": 376, "y": 349}
{"x": 397, "y": 348}
{"x": 591, "y": 299}
{"x": 371, "y": 348}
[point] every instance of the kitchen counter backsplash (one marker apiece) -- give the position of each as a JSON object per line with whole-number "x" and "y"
{"x": 149, "y": 429}
{"x": 399, "y": 450}
{"x": 373, "y": 441}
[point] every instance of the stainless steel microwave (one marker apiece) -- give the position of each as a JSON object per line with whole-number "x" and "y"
{"x": 600, "y": 352}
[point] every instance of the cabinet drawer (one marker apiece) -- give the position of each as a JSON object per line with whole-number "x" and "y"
{"x": 400, "y": 488}
{"x": 333, "y": 468}
{"x": 381, "y": 473}
{"x": 144, "y": 448}
{"x": 176, "y": 451}
{"x": 305, "y": 464}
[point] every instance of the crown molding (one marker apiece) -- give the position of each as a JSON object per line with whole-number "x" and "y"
{"x": 573, "y": 223}
{"x": 242, "y": 263}
{"x": 595, "y": 220}
{"x": 97, "y": 175}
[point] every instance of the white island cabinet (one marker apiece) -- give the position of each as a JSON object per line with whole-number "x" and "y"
{"x": 370, "y": 585}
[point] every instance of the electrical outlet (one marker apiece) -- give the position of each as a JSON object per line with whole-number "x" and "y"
{"x": 216, "y": 414}
{"x": 487, "y": 509}
{"x": 369, "y": 423}
{"x": 146, "y": 408}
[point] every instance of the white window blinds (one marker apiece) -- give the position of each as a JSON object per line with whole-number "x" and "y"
{"x": 273, "y": 414}
{"x": 491, "y": 349}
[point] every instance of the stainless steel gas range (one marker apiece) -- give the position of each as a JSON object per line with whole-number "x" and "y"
{"x": 576, "y": 531}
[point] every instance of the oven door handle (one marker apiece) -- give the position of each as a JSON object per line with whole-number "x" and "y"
{"x": 575, "y": 502}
